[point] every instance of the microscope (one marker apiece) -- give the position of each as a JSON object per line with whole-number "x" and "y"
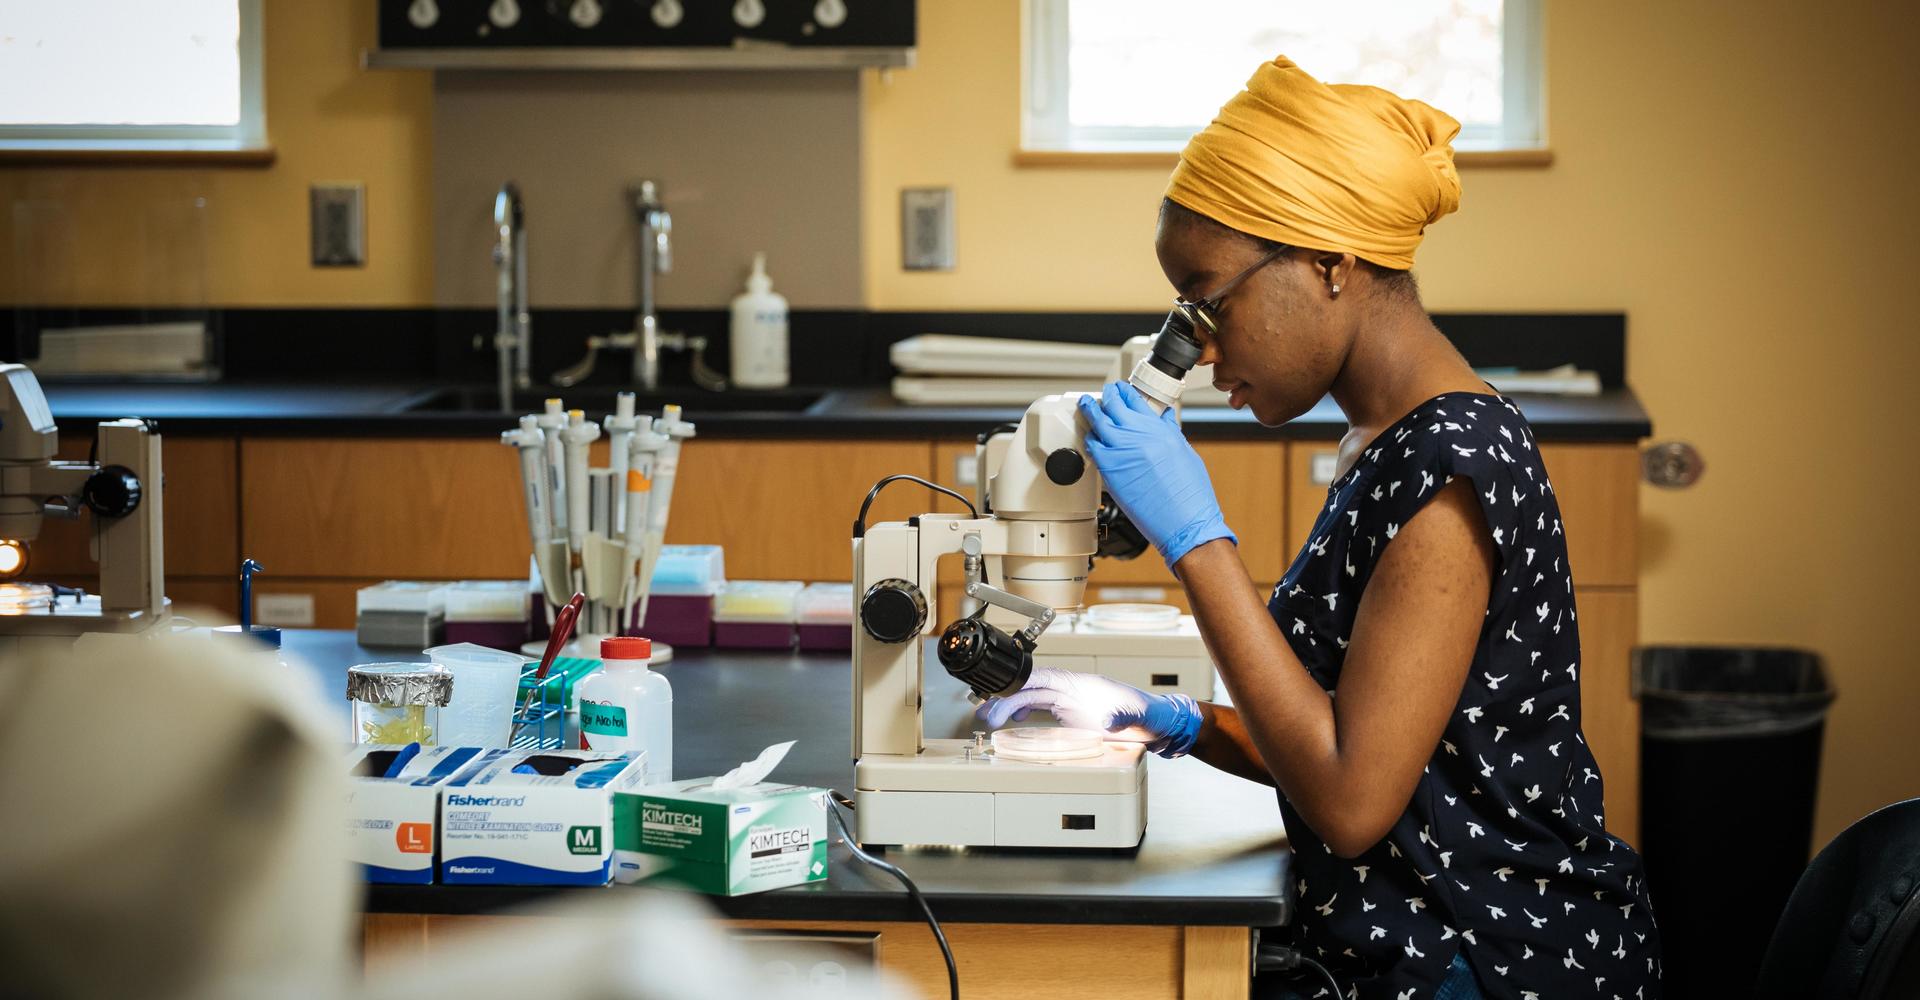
{"x": 1025, "y": 559}
{"x": 119, "y": 485}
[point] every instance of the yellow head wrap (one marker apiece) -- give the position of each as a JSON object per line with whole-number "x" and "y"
{"x": 1329, "y": 167}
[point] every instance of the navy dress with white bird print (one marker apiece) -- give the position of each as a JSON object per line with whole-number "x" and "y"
{"x": 1502, "y": 852}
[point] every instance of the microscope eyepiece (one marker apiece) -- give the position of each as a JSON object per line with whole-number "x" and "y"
{"x": 1176, "y": 349}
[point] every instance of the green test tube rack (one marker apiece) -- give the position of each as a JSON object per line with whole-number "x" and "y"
{"x": 541, "y": 721}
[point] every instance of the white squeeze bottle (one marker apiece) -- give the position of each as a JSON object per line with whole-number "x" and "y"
{"x": 759, "y": 333}
{"x": 625, "y": 706}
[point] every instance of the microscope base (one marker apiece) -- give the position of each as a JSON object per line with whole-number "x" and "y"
{"x": 944, "y": 798}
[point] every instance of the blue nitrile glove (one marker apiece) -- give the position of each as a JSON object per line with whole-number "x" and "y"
{"x": 1152, "y": 472}
{"x": 402, "y": 759}
{"x": 1167, "y": 723}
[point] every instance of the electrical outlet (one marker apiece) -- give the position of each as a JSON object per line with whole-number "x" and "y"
{"x": 926, "y": 229}
{"x": 338, "y": 222}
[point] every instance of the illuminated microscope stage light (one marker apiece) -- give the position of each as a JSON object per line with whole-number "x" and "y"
{"x": 13, "y": 558}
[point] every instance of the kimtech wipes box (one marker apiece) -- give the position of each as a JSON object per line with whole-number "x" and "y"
{"x": 533, "y": 817}
{"x": 393, "y": 808}
{"x": 726, "y": 836}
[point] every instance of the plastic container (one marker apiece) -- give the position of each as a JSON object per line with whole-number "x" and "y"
{"x": 398, "y": 702}
{"x": 484, "y": 683}
{"x": 626, "y": 706}
{"x": 756, "y": 614}
{"x": 757, "y": 335}
{"x": 680, "y": 608}
{"x": 1044, "y": 744}
{"x": 1729, "y": 762}
{"x": 401, "y": 614}
{"x": 1132, "y": 617}
{"x": 487, "y": 613}
{"x": 825, "y": 616}
{"x": 689, "y": 570}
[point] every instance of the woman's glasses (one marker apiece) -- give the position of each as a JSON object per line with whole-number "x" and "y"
{"x": 1201, "y": 313}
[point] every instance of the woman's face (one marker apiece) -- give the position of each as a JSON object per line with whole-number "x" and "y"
{"x": 1281, "y": 339}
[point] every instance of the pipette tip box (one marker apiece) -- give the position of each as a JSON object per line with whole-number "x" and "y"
{"x": 825, "y": 614}
{"x": 756, "y": 614}
{"x": 683, "y": 621}
{"x": 534, "y": 817}
{"x": 400, "y": 614}
{"x": 487, "y": 613}
{"x": 685, "y": 580}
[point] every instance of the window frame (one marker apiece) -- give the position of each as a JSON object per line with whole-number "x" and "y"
{"x": 1044, "y": 128}
{"x": 249, "y": 133}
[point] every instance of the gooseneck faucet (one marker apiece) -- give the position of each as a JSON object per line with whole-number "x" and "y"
{"x": 646, "y": 340}
{"x": 656, "y": 258}
{"x": 513, "y": 331}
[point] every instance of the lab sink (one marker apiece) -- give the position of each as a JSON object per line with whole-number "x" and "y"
{"x": 597, "y": 400}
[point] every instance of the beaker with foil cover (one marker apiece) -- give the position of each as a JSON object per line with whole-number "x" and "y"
{"x": 398, "y": 702}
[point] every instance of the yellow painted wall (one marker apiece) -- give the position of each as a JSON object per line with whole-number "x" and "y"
{"x": 116, "y": 234}
{"x": 1736, "y": 178}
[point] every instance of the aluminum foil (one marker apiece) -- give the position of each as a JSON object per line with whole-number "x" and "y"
{"x": 400, "y": 683}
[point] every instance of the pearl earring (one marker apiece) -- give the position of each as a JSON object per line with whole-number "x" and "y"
{"x": 1336, "y": 289}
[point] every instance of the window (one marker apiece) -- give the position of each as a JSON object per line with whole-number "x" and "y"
{"x": 131, "y": 74}
{"x": 1145, "y": 74}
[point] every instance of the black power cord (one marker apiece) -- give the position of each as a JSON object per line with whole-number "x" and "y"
{"x": 913, "y": 891}
{"x": 1280, "y": 958}
{"x": 860, "y": 523}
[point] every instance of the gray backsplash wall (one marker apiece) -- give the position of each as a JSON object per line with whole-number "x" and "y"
{"x": 746, "y": 161}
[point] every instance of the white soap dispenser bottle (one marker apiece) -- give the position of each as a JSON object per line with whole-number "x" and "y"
{"x": 759, "y": 333}
{"x": 625, "y": 706}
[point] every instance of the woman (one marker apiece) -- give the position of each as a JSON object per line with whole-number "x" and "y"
{"x": 1411, "y": 687}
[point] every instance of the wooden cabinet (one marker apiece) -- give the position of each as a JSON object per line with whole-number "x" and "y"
{"x": 408, "y": 507}
{"x": 784, "y": 510}
{"x": 327, "y": 516}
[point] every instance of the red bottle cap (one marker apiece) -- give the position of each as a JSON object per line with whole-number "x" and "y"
{"x": 626, "y": 648}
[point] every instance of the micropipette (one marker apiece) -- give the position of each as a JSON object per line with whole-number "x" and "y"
{"x": 552, "y": 421}
{"x": 619, "y": 425}
{"x": 665, "y": 468}
{"x": 644, "y": 448}
{"x": 577, "y": 436}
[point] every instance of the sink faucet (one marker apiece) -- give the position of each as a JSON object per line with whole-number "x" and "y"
{"x": 646, "y": 340}
{"x": 513, "y": 332}
{"x": 656, "y": 258}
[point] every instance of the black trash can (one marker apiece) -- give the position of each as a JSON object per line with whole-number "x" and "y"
{"x": 1729, "y": 763}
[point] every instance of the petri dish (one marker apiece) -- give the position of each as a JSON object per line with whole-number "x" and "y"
{"x": 1048, "y": 743}
{"x": 18, "y": 598}
{"x": 1132, "y": 617}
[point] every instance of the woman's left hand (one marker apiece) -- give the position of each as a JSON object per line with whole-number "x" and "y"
{"x": 1152, "y": 472}
{"x": 1167, "y": 724}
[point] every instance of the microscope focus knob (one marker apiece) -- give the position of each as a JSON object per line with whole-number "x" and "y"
{"x": 114, "y": 491}
{"x": 893, "y": 611}
{"x": 1065, "y": 466}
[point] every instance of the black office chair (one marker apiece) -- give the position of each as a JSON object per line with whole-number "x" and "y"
{"x": 1851, "y": 930}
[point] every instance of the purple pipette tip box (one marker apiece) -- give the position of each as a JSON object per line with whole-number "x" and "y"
{"x": 684, "y": 620}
